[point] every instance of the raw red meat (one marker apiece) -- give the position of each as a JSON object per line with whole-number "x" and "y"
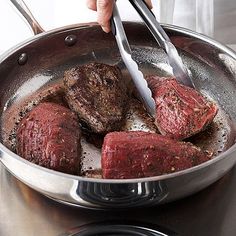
{"x": 49, "y": 135}
{"x": 137, "y": 154}
{"x": 180, "y": 111}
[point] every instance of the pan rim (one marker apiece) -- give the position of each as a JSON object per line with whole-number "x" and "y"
{"x": 177, "y": 29}
{"x": 44, "y": 34}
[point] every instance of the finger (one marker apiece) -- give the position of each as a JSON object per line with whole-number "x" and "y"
{"x": 149, "y": 3}
{"x": 92, "y": 4}
{"x": 104, "y": 9}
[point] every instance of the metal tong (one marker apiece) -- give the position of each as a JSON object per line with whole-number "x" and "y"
{"x": 179, "y": 70}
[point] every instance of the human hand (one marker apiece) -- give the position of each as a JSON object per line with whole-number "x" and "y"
{"x": 104, "y": 10}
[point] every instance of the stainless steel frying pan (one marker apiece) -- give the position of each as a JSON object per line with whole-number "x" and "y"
{"x": 36, "y": 66}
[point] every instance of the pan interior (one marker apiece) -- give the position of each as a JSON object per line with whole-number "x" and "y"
{"x": 41, "y": 78}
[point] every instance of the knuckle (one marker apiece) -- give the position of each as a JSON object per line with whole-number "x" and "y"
{"x": 104, "y": 4}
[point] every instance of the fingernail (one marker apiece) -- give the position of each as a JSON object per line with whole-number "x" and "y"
{"x": 106, "y": 29}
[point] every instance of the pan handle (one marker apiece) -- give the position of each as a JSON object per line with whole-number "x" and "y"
{"x": 25, "y": 12}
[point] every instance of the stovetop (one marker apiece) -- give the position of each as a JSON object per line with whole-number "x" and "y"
{"x": 23, "y": 212}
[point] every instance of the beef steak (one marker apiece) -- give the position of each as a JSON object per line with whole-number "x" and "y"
{"x": 137, "y": 154}
{"x": 97, "y": 93}
{"x": 180, "y": 111}
{"x": 49, "y": 135}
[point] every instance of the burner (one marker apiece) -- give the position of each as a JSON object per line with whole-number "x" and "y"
{"x": 114, "y": 228}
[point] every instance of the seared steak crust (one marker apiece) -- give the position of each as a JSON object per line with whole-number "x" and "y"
{"x": 97, "y": 93}
{"x": 180, "y": 111}
{"x": 137, "y": 154}
{"x": 49, "y": 135}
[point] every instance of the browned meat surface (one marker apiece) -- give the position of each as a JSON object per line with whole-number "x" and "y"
{"x": 138, "y": 154}
{"x": 49, "y": 135}
{"x": 97, "y": 93}
{"x": 180, "y": 111}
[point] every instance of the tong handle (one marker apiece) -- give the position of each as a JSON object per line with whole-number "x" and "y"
{"x": 118, "y": 30}
{"x": 126, "y": 55}
{"x": 151, "y": 22}
{"x": 175, "y": 61}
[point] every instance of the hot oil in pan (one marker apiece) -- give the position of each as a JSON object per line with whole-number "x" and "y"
{"x": 218, "y": 136}
{"x": 14, "y": 113}
{"x": 136, "y": 119}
